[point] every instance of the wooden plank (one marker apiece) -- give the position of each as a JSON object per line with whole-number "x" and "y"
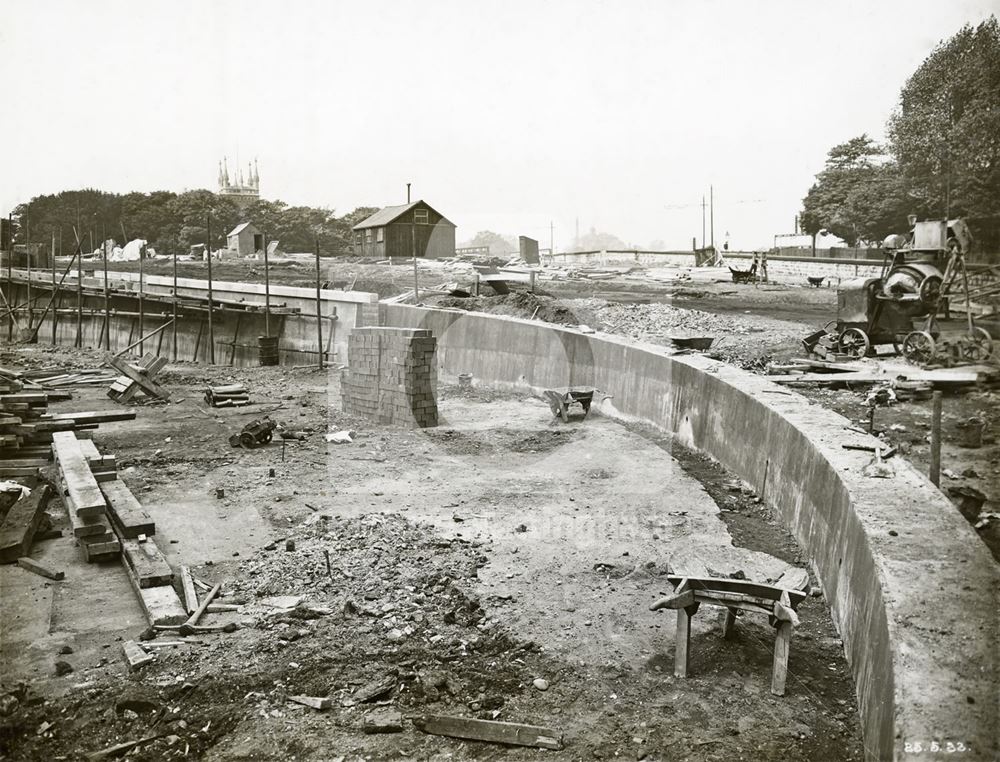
{"x": 100, "y": 551}
{"x": 12, "y": 472}
{"x": 145, "y": 561}
{"x": 312, "y": 701}
{"x": 127, "y": 514}
{"x": 160, "y": 604}
{"x": 21, "y": 523}
{"x": 746, "y": 587}
{"x": 90, "y": 526}
{"x": 40, "y": 569}
{"x": 190, "y": 594}
{"x": 85, "y": 498}
{"x": 93, "y": 416}
{"x": 512, "y": 733}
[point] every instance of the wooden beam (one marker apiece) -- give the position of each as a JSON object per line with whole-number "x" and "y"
{"x": 190, "y": 594}
{"x": 20, "y": 524}
{"x": 127, "y": 515}
{"x": 40, "y": 569}
{"x": 85, "y": 498}
{"x": 512, "y": 733}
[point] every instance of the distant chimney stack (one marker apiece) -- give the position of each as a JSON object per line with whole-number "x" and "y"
{"x": 407, "y": 193}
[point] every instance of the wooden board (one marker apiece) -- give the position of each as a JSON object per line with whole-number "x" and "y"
{"x": 127, "y": 514}
{"x": 512, "y": 733}
{"x": 160, "y": 604}
{"x": 93, "y": 416}
{"x": 146, "y": 563}
{"x": 94, "y": 551}
{"x": 21, "y": 523}
{"x": 84, "y": 496}
{"x": 90, "y": 526}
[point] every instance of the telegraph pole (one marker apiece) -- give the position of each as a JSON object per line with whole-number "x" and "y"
{"x": 711, "y": 213}
{"x": 703, "y": 221}
{"x": 552, "y": 238}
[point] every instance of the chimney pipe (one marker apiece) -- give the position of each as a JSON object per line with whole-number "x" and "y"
{"x": 407, "y": 193}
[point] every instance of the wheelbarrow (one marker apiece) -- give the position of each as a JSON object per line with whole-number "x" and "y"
{"x": 560, "y": 400}
{"x": 255, "y": 434}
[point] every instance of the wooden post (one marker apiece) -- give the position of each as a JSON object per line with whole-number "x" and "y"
{"x": 10, "y": 275}
{"x": 728, "y": 622}
{"x": 779, "y": 670}
{"x": 935, "y": 474}
{"x": 79, "y": 299}
{"x": 107, "y": 296}
{"x": 54, "y": 312}
{"x": 175, "y": 305}
{"x": 27, "y": 251}
{"x": 319, "y": 312}
{"x": 211, "y": 328}
{"x": 267, "y": 293}
{"x": 683, "y": 641}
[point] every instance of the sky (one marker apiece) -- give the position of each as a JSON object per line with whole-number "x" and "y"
{"x": 525, "y": 118}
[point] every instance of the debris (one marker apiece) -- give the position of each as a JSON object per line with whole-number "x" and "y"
{"x": 37, "y": 568}
{"x": 135, "y": 656}
{"x": 371, "y": 691}
{"x": 63, "y": 668}
{"x": 383, "y": 721}
{"x": 540, "y": 683}
{"x": 118, "y": 749}
{"x": 17, "y": 530}
{"x": 340, "y": 437}
{"x": 312, "y": 701}
{"x": 491, "y": 731}
{"x": 138, "y": 377}
{"x": 877, "y": 468}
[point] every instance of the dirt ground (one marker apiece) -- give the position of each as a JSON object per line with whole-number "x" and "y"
{"x": 466, "y": 563}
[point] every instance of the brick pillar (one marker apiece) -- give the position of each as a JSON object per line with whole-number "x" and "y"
{"x": 391, "y": 376}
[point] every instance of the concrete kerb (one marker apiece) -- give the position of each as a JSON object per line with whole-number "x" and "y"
{"x": 913, "y": 591}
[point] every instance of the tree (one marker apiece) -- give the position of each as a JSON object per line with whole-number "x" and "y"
{"x": 858, "y": 196}
{"x": 597, "y": 241}
{"x": 500, "y": 245}
{"x": 945, "y": 132}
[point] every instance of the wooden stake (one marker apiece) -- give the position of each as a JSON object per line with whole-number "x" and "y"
{"x": 79, "y": 301}
{"x": 55, "y": 312}
{"x": 211, "y": 328}
{"x": 319, "y": 313}
{"x": 267, "y": 293}
{"x": 175, "y": 305}
{"x": 107, "y": 296}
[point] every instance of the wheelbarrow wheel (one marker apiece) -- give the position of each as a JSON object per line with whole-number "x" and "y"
{"x": 854, "y": 342}
{"x": 247, "y": 440}
{"x": 919, "y": 347}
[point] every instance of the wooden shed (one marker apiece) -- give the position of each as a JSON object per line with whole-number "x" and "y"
{"x": 398, "y": 231}
{"x": 245, "y": 239}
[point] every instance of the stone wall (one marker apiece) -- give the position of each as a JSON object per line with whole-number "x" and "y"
{"x": 392, "y": 376}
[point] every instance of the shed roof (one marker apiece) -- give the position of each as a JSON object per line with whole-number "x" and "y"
{"x": 392, "y": 213}
{"x": 239, "y": 228}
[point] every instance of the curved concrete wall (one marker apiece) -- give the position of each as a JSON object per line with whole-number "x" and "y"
{"x": 917, "y": 609}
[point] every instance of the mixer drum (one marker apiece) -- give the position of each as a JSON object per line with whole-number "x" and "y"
{"x": 915, "y": 286}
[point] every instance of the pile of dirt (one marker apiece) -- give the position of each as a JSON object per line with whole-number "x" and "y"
{"x": 388, "y": 620}
{"x": 521, "y": 304}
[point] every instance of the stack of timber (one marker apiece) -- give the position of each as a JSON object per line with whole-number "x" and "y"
{"x": 52, "y": 379}
{"x": 816, "y": 372}
{"x": 233, "y": 395}
{"x": 137, "y": 377}
{"x": 21, "y": 522}
{"x": 84, "y": 500}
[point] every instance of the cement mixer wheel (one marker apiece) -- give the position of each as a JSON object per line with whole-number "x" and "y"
{"x": 930, "y": 290}
{"x": 978, "y": 346}
{"x": 919, "y": 347}
{"x": 854, "y": 342}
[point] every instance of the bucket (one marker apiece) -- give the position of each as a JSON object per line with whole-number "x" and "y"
{"x": 973, "y": 433}
{"x": 267, "y": 348}
{"x": 465, "y": 380}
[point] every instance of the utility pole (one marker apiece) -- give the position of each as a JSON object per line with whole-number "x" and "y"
{"x": 27, "y": 249}
{"x": 107, "y": 297}
{"x": 174, "y": 300}
{"x": 267, "y": 293}
{"x": 552, "y": 238}
{"x": 53, "y": 288}
{"x": 711, "y": 213}
{"x": 319, "y": 311}
{"x": 703, "y": 221}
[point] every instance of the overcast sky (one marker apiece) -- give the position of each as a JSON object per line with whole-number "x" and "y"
{"x": 503, "y": 115}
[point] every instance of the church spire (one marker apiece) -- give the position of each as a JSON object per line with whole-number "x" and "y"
{"x": 220, "y": 175}
{"x": 256, "y": 175}
{"x": 225, "y": 171}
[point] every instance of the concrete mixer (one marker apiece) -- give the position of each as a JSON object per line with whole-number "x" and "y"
{"x": 922, "y": 273}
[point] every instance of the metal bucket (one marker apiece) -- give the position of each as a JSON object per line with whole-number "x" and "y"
{"x": 267, "y": 348}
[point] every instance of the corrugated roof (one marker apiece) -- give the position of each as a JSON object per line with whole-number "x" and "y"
{"x": 239, "y": 228}
{"x": 392, "y": 213}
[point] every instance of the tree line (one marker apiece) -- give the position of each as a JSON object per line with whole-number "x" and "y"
{"x": 173, "y": 222}
{"x": 941, "y": 158}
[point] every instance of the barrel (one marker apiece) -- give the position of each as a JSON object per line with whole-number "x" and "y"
{"x": 267, "y": 347}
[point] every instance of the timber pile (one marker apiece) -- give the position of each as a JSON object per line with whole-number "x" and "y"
{"x": 84, "y": 500}
{"x": 27, "y": 429}
{"x": 232, "y": 395}
{"x": 804, "y": 372}
{"x": 22, "y": 521}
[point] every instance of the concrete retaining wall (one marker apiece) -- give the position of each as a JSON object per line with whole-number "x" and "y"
{"x": 235, "y": 331}
{"x": 917, "y": 609}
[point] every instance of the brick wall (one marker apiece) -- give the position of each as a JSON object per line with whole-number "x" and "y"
{"x": 391, "y": 376}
